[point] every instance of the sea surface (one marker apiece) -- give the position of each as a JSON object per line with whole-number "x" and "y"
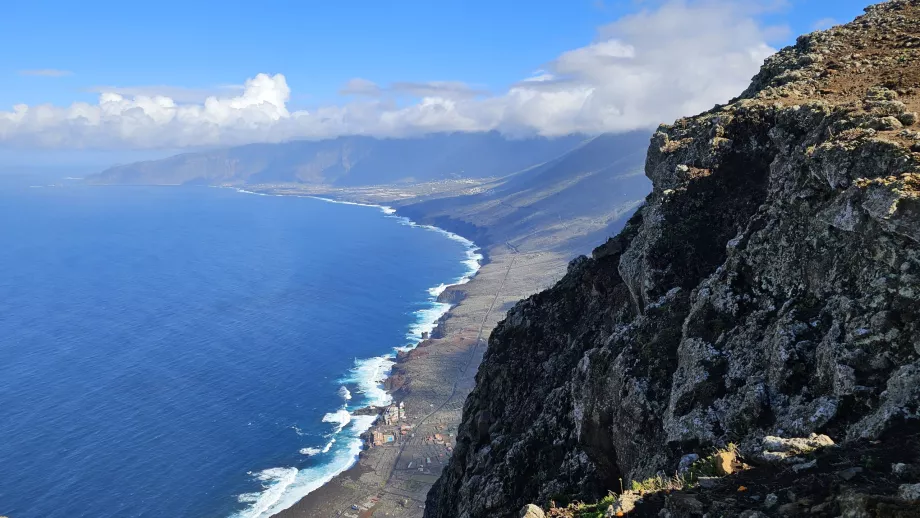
{"x": 196, "y": 352}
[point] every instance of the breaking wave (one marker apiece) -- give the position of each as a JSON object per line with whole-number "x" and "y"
{"x": 368, "y": 376}
{"x": 340, "y": 418}
{"x": 283, "y": 487}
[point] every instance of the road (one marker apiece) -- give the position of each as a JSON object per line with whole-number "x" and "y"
{"x": 469, "y": 361}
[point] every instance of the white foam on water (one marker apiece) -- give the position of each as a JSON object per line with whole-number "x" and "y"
{"x": 244, "y": 191}
{"x": 284, "y": 487}
{"x": 328, "y": 445}
{"x": 425, "y": 321}
{"x": 368, "y": 376}
{"x": 473, "y": 264}
{"x": 437, "y": 290}
{"x": 275, "y": 483}
{"x": 383, "y": 208}
{"x": 340, "y": 418}
{"x": 473, "y": 258}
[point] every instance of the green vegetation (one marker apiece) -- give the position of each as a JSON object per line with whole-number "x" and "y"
{"x": 704, "y": 467}
{"x": 595, "y": 510}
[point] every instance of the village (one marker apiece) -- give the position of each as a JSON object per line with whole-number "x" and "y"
{"x": 417, "y": 457}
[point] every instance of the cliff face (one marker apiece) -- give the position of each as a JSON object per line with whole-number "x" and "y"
{"x": 769, "y": 286}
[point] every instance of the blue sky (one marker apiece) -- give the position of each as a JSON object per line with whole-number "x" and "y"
{"x": 189, "y": 50}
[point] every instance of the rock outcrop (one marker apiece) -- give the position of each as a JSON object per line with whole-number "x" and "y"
{"x": 770, "y": 286}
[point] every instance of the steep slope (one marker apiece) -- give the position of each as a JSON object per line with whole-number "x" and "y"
{"x": 565, "y": 204}
{"x": 770, "y": 285}
{"x": 348, "y": 161}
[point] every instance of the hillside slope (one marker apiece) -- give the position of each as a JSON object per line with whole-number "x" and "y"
{"x": 564, "y": 204}
{"x": 348, "y": 161}
{"x": 770, "y": 285}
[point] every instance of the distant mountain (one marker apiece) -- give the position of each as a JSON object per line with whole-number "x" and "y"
{"x": 348, "y": 161}
{"x": 578, "y": 198}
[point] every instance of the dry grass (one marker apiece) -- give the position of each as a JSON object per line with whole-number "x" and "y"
{"x": 704, "y": 467}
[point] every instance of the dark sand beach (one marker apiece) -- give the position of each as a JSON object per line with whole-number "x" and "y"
{"x": 433, "y": 382}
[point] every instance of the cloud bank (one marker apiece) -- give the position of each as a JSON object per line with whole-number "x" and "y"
{"x": 178, "y": 94}
{"x": 646, "y": 68}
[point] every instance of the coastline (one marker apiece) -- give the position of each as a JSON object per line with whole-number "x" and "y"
{"x": 274, "y": 500}
{"x": 432, "y": 380}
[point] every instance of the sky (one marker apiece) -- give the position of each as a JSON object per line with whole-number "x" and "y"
{"x": 142, "y": 78}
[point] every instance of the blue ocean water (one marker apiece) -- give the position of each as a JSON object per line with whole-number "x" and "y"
{"x": 195, "y": 352}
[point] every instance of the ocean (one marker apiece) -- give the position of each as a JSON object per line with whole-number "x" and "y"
{"x": 197, "y": 352}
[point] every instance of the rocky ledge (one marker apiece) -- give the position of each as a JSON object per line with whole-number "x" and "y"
{"x": 770, "y": 286}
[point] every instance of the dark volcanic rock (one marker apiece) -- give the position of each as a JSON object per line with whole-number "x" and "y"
{"x": 769, "y": 286}
{"x": 453, "y": 295}
{"x": 368, "y": 411}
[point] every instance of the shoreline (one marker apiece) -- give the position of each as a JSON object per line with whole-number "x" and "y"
{"x": 417, "y": 336}
{"x": 433, "y": 380}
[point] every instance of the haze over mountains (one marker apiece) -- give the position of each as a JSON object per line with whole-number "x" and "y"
{"x": 349, "y": 161}
{"x": 566, "y": 204}
{"x": 561, "y": 194}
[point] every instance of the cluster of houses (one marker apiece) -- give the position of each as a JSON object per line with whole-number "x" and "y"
{"x": 394, "y": 413}
{"x": 391, "y": 416}
{"x": 442, "y": 440}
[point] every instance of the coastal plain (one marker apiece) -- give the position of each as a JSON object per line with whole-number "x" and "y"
{"x": 523, "y": 255}
{"x": 528, "y": 220}
{"x": 433, "y": 381}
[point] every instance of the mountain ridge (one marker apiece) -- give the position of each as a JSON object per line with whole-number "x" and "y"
{"x": 348, "y": 161}
{"x": 560, "y": 204}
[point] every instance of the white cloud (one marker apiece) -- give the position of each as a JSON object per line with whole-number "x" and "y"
{"x": 46, "y": 72}
{"x": 176, "y": 93}
{"x": 359, "y": 86}
{"x": 650, "y": 67}
{"x": 447, "y": 89}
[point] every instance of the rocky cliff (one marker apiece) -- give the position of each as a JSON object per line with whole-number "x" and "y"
{"x": 770, "y": 285}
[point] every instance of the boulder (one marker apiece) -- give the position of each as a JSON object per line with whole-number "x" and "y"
{"x": 686, "y": 461}
{"x": 531, "y": 511}
{"x": 725, "y": 463}
{"x": 910, "y": 492}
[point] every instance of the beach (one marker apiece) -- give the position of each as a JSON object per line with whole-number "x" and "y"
{"x": 432, "y": 381}
{"x": 290, "y": 308}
